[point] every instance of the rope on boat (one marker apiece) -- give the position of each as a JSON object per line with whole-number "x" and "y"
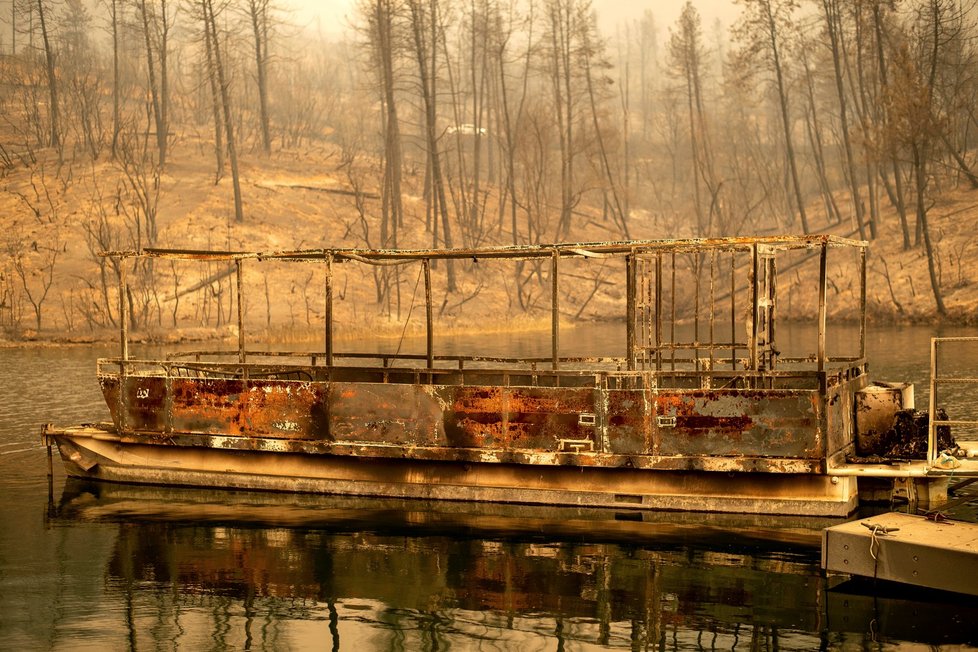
{"x": 874, "y": 543}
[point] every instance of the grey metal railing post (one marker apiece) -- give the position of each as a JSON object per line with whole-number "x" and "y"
{"x": 123, "y": 344}
{"x": 239, "y": 278}
{"x": 752, "y": 284}
{"x": 555, "y": 311}
{"x": 932, "y": 404}
{"x": 328, "y": 310}
{"x": 822, "y": 284}
{"x": 630, "y": 292}
{"x": 429, "y": 333}
{"x": 862, "y": 302}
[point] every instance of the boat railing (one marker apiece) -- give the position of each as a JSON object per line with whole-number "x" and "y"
{"x": 701, "y": 363}
{"x": 943, "y": 377}
{"x": 602, "y": 372}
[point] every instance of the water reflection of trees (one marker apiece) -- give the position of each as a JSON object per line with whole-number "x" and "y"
{"x": 272, "y": 587}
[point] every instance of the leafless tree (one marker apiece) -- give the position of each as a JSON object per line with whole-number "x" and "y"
{"x": 762, "y": 32}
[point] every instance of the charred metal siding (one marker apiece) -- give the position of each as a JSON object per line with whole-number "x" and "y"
{"x": 641, "y": 427}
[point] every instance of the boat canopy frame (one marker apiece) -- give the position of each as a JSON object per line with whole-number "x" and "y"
{"x": 651, "y": 285}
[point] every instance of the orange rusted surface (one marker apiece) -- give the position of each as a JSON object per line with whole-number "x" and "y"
{"x": 782, "y": 423}
{"x": 635, "y": 427}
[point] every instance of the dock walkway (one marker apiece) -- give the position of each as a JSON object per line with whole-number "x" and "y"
{"x": 905, "y": 548}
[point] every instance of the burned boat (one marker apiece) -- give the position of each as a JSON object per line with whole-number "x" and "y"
{"x": 702, "y": 411}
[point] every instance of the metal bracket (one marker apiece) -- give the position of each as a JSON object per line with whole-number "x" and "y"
{"x": 576, "y": 445}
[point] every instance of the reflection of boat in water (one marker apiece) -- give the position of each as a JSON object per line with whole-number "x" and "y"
{"x": 87, "y": 500}
{"x": 379, "y": 569}
{"x": 713, "y": 418}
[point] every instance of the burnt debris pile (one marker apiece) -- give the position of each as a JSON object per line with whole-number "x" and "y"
{"x": 907, "y": 438}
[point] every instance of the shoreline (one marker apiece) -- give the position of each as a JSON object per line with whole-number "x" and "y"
{"x": 180, "y": 336}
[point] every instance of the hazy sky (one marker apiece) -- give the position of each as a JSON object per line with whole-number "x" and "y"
{"x": 334, "y": 15}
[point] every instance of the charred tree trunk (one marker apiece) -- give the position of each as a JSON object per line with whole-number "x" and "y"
{"x": 154, "y": 88}
{"x": 772, "y": 34}
{"x": 920, "y": 178}
{"x": 222, "y": 82}
{"x": 116, "y": 100}
{"x": 55, "y": 137}
{"x": 428, "y": 97}
{"x": 215, "y": 106}
{"x": 258, "y": 13}
{"x": 833, "y": 26}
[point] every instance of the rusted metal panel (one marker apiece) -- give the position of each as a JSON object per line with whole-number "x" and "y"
{"x": 839, "y": 407}
{"x": 496, "y": 419}
{"x": 541, "y": 418}
{"x": 775, "y": 423}
{"x": 384, "y": 413}
{"x": 474, "y": 417}
{"x": 627, "y": 422}
{"x": 284, "y": 409}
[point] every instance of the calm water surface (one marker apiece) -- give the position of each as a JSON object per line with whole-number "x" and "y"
{"x": 113, "y": 567}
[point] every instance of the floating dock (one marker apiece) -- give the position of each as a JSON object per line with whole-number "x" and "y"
{"x": 906, "y": 548}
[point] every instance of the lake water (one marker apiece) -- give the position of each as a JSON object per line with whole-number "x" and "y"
{"x": 114, "y": 567}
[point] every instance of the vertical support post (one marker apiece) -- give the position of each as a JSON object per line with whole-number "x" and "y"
{"x": 822, "y": 283}
{"x": 630, "y": 292}
{"x": 429, "y": 333}
{"x": 328, "y": 310}
{"x": 697, "y": 264}
{"x": 752, "y": 285}
{"x": 672, "y": 314}
{"x": 643, "y": 309}
{"x": 123, "y": 344}
{"x": 50, "y": 474}
{"x": 658, "y": 311}
{"x": 771, "y": 306}
{"x": 733, "y": 309}
{"x": 554, "y": 311}
{"x": 932, "y": 405}
{"x": 123, "y": 313}
{"x": 713, "y": 307}
{"x": 862, "y": 303}
{"x": 239, "y": 276}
